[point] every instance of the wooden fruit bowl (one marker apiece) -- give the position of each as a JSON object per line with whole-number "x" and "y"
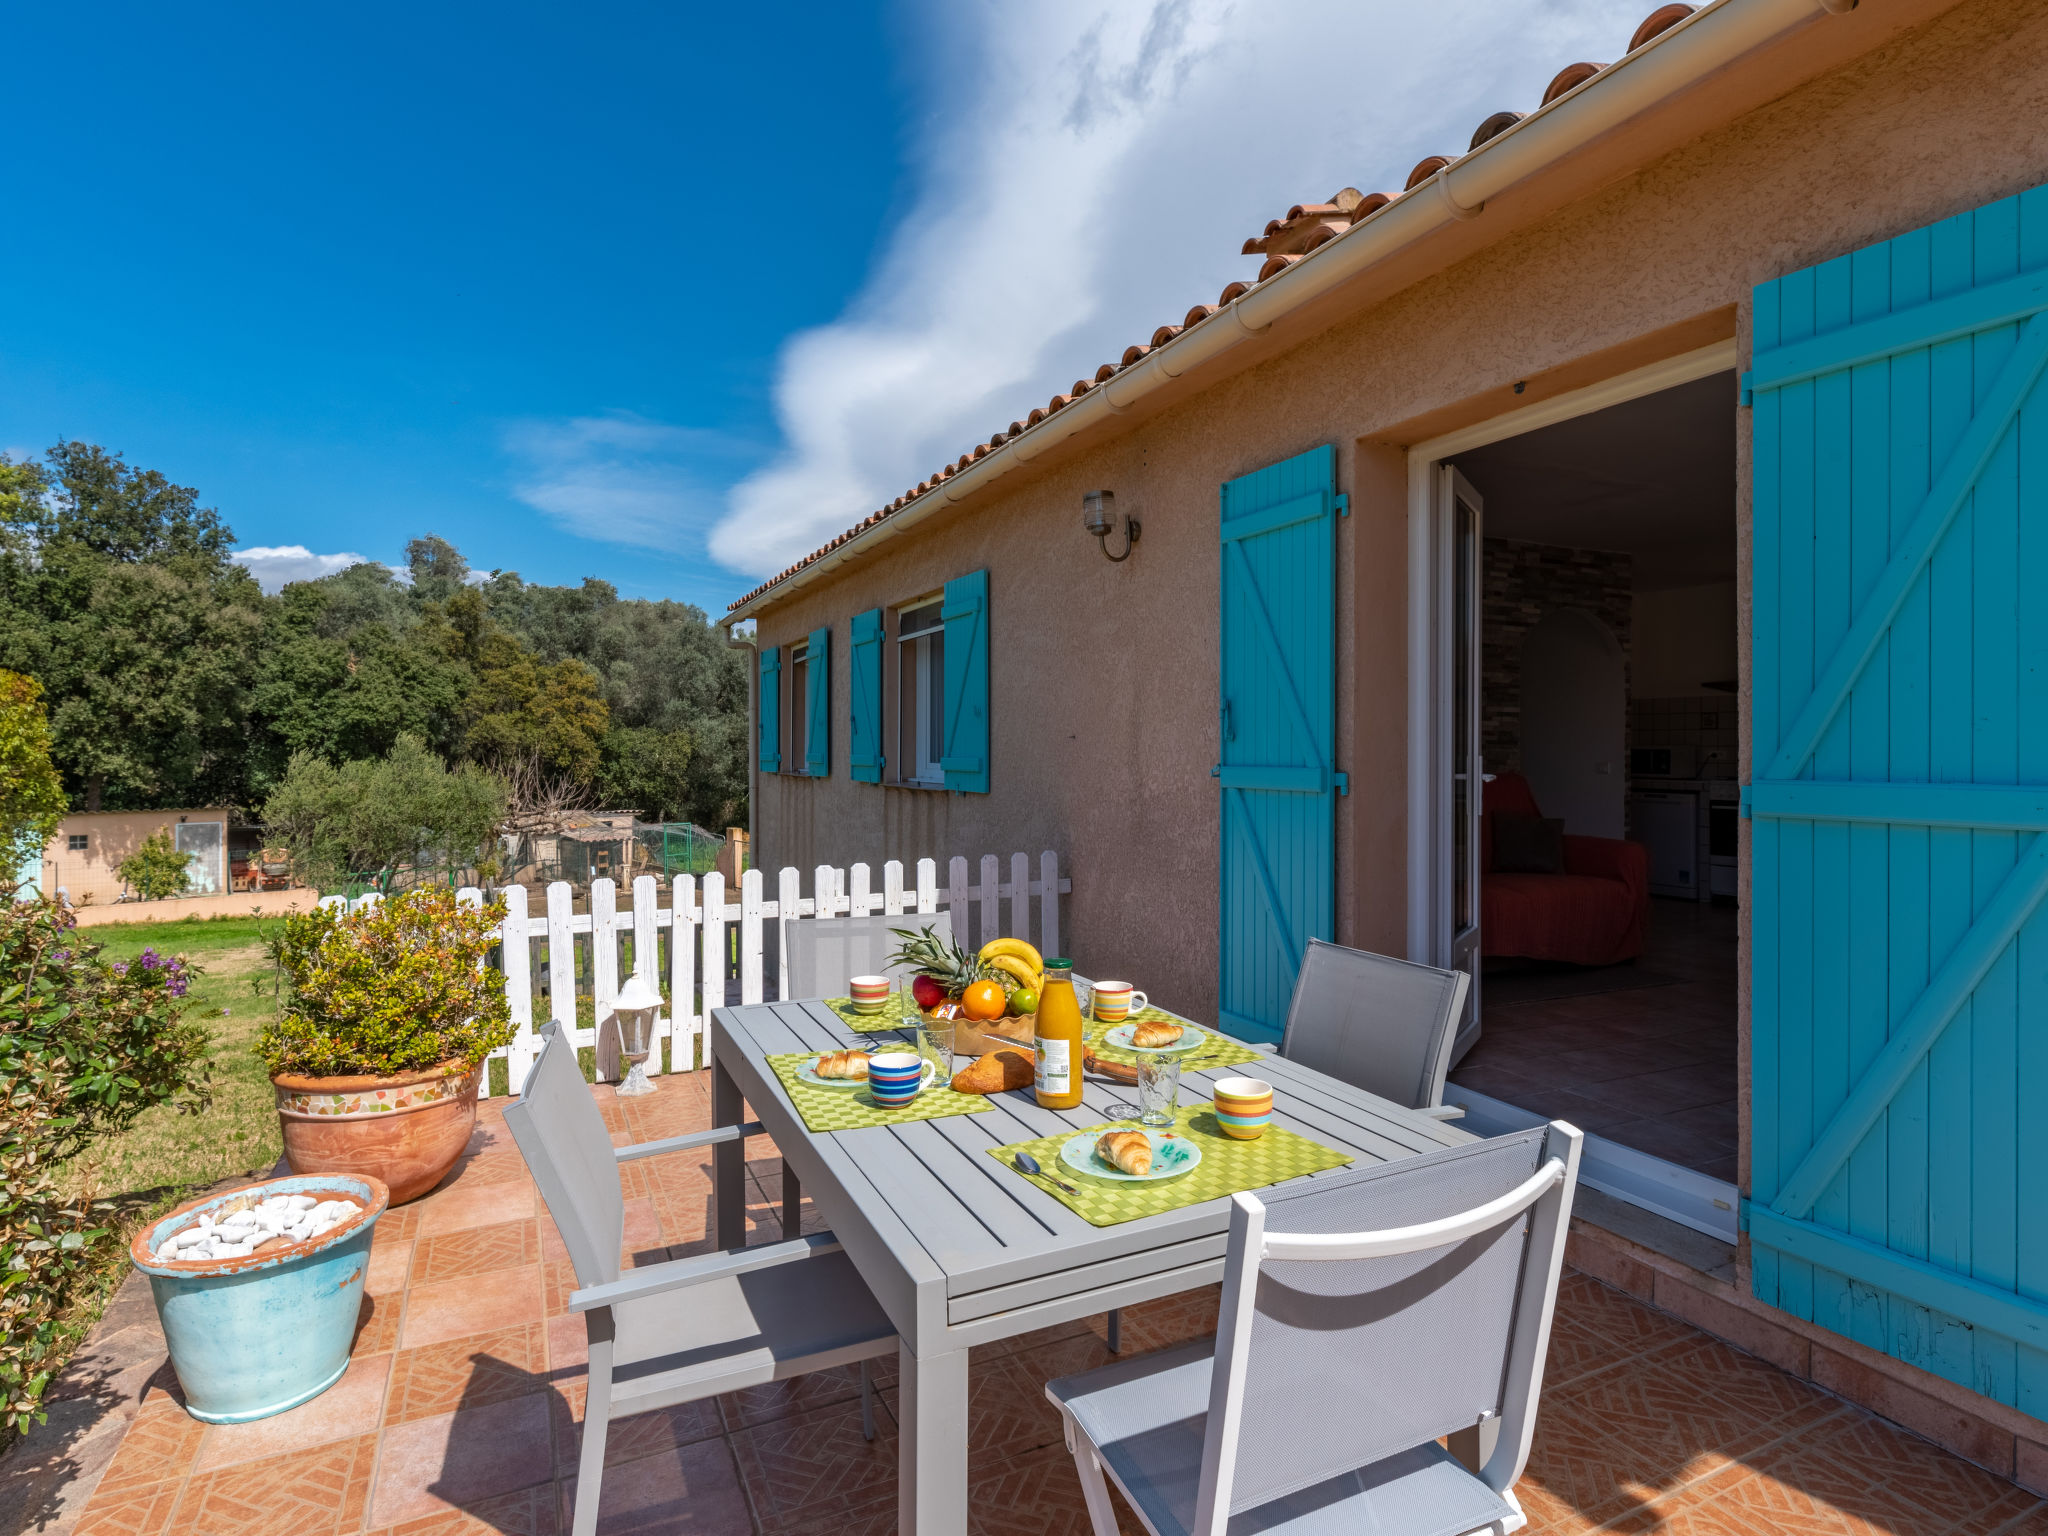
{"x": 978, "y": 1038}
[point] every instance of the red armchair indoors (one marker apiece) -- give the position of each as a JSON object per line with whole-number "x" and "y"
{"x": 1594, "y": 913}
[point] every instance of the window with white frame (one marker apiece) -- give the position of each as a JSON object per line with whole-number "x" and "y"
{"x": 921, "y": 692}
{"x": 796, "y": 705}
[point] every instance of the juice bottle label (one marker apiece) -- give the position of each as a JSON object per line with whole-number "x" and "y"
{"x": 1055, "y": 1066}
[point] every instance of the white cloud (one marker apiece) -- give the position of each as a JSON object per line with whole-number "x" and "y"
{"x": 620, "y": 478}
{"x": 1088, "y": 173}
{"x": 275, "y": 564}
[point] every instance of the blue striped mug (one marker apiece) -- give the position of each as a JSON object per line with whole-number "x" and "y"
{"x": 894, "y": 1077}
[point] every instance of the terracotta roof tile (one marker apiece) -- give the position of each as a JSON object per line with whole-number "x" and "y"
{"x": 1571, "y": 75}
{"x": 1284, "y": 241}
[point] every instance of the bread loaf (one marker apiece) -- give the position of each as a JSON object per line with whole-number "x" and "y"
{"x": 996, "y": 1072}
{"x": 1127, "y": 1151}
{"x": 1154, "y": 1033}
{"x": 850, "y": 1064}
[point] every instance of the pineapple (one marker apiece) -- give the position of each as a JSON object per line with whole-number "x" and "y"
{"x": 944, "y": 969}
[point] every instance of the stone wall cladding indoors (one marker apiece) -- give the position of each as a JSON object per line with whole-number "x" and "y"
{"x": 1522, "y": 583}
{"x": 1659, "y": 261}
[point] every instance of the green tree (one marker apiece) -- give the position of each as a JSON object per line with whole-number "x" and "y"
{"x": 646, "y": 770}
{"x": 157, "y": 869}
{"x": 116, "y": 594}
{"x": 406, "y": 813}
{"x": 32, "y": 799}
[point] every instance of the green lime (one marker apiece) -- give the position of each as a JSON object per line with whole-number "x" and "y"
{"x": 1023, "y": 1001}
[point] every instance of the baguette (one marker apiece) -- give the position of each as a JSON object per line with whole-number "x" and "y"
{"x": 1126, "y": 1151}
{"x": 848, "y": 1064}
{"x": 1154, "y": 1033}
{"x": 996, "y": 1072}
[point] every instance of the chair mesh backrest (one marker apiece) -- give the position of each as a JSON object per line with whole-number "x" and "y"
{"x": 1352, "y": 1360}
{"x": 560, "y": 1132}
{"x": 825, "y": 953}
{"x": 1377, "y": 1023}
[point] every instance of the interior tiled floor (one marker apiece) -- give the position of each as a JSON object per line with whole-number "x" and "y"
{"x": 1650, "y": 1066}
{"x": 460, "y": 1412}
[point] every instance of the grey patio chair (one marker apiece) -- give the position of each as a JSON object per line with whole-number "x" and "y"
{"x": 823, "y": 953}
{"x": 1364, "y": 1316}
{"x": 1377, "y": 1023}
{"x": 690, "y": 1328}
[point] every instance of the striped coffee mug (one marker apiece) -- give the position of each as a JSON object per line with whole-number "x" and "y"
{"x": 1116, "y": 1001}
{"x": 1243, "y": 1106}
{"x": 894, "y": 1077}
{"x": 869, "y": 993}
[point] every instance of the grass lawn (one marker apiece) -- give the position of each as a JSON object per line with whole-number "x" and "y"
{"x": 166, "y": 1151}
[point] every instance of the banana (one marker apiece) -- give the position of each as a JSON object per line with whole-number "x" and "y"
{"x": 1016, "y": 970}
{"x": 1016, "y": 947}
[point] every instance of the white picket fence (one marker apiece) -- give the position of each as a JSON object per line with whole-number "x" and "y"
{"x": 703, "y": 964}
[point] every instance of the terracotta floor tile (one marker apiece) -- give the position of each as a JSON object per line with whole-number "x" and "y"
{"x": 476, "y": 1251}
{"x": 467, "y": 1373}
{"x": 795, "y": 1462}
{"x": 346, "y": 1410}
{"x": 481, "y": 1205}
{"x": 1864, "y": 1464}
{"x": 146, "y": 1510}
{"x": 494, "y": 1167}
{"x": 801, "y": 1394}
{"x": 377, "y": 1325}
{"x": 390, "y": 1263}
{"x": 690, "y": 1490}
{"x": 303, "y": 1493}
{"x": 644, "y": 1434}
{"x": 568, "y": 1346}
{"x": 1035, "y": 1494}
{"x": 558, "y": 1284}
{"x": 868, "y": 1514}
{"x": 455, "y": 1459}
{"x": 472, "y": 1304}
{"x": 643, "y": 1242}
{"x": 526, "y": 1512}
{"x": 400, "y": 1222}
{"x": 161, "y": 1446}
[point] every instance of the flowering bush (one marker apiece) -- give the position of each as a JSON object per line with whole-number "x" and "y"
{"x": 399, "y": 986}
{"x": 85, "y": 1047}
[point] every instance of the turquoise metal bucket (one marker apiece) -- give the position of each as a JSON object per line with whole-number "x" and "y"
{"x": 254, "y": 1336}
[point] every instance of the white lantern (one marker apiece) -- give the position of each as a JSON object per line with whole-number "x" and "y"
{"x": 635, "y": 1008}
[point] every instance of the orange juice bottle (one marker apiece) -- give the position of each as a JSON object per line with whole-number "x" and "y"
{"x": 1056, "y": 1029}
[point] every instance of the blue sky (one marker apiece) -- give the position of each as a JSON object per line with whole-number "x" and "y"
{"x": 656, "y": 293}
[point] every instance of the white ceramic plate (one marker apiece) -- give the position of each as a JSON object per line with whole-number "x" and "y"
{"x": 808, "y": 1073}
{"x": 1191, "y": 1039}
{"x": 1172, "y": 1156}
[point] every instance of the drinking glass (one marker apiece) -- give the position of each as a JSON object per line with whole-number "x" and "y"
{"x": 935, "y": 1044}
{"x": 1158, "y": 1090}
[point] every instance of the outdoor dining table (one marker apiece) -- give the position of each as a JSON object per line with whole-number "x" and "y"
{"x": 960, "y": 1249}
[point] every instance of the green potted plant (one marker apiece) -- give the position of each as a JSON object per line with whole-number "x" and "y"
{"x": 377, "y": 1053}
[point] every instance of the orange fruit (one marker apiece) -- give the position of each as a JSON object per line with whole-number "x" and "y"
{"x": 984, "y": 1000}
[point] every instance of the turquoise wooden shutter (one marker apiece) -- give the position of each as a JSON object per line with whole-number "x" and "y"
{"x": 966, "y": 615}
{"x": 1899, "y": 972}
{"x": 865, "y": 701}
{"x": 817, "y": 699}
{"x": 1277, "y": 723}
{"x": 769, "y": 708}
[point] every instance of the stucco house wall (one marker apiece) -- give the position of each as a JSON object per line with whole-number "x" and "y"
{"x": 1085, "y": 652}
{"x": 91, "y": 876}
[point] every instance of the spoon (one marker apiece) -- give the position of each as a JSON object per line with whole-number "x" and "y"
{"x": 1026, "y": 1163}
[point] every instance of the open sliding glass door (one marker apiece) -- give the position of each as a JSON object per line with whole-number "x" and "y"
{"x": 1460, "y": 604}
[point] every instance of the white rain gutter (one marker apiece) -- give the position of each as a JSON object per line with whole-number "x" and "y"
{"x": 1707, "y": 41}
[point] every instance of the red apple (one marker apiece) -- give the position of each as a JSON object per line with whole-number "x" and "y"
{"x": 929, "y": 993}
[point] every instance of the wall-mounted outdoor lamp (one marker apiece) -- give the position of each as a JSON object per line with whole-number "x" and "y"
{"x": 1098, "y": 516}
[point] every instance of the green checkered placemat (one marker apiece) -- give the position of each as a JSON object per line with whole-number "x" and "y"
{"x": 848, "y": 1109}
{"x": 1216, "y": 1052}
{"x": 1227, "y": 1166}
{"x": 891, "y": 1016}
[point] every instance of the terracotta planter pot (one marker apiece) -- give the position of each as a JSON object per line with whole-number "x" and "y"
{"x": 407, "y": 1130}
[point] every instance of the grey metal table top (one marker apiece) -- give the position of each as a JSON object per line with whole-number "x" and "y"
{"x": 958, "y": 1248}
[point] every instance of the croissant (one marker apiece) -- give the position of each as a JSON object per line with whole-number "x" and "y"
{"x": 1127, "y": 1151}
{"x": 852, "y": 1064}
{"x": 1152, "y": 1034}
{"x": 995, "y": 1072}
